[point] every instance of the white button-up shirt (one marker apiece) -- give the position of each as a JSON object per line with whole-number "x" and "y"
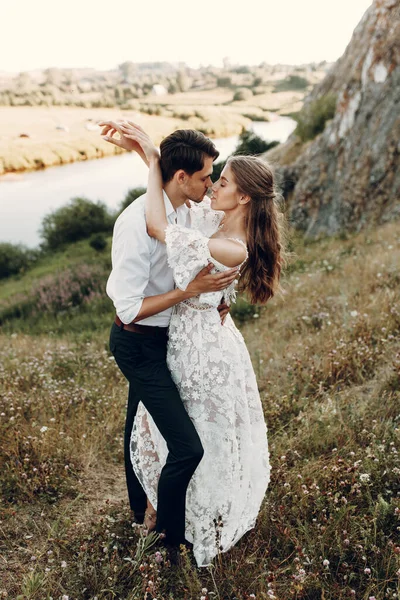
{"x": 139, "y": 262}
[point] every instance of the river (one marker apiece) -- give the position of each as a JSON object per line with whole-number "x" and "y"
{"x": 25, "y": 200}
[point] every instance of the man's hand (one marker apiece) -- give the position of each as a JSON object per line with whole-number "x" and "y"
{"x": 206, "y": 282}
{"x": 223, "y": 310}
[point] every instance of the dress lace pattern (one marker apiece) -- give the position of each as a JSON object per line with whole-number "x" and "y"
{"x": 212, "y": 369}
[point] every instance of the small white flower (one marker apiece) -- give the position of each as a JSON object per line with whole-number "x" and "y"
{"x": 43, "y": 429}
{"x": 353, "y": 313}
{"x": 63, "y": 564}
{"x": 325, "y": 562}
{"x": 65, "y": 597}
{"x": 367, "y": 571}
{"x": 365, "y": 477}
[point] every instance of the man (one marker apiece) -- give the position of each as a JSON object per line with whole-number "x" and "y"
{"x": 142, "y": 288}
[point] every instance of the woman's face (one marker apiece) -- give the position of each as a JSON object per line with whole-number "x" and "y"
{"x": 225, "y": 194}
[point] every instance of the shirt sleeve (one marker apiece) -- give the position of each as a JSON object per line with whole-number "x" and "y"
{"x": 130, "y": 267}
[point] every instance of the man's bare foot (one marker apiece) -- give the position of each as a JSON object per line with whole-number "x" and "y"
{"x": 150, "y": 518}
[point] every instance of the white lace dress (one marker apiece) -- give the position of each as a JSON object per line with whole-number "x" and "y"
{"x": 211, "y": 367}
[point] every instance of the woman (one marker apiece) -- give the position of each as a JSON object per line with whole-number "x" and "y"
{"x": 210, "y": 363}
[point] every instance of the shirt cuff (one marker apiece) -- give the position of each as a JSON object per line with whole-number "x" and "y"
{"x": 128, "y": 314}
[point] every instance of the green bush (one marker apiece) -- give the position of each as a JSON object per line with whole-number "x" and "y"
{"x": 251, "y": 143}
{"x": 217, "y": 170}
{"x": 292, "y": 82}
{"x": 131, "y": 196}
{"x": 76, "y": 221}
{"x": 242, "y": 94}
{"x": 224, "y": 81}
{"x": 311, "y": 120}
{"x": 98, "y": 242}
{"x": 15, "y": 258}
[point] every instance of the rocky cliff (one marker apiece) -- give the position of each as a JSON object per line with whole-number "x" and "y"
{"x": 349, "y": 175}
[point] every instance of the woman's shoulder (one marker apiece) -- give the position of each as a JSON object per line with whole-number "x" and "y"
{"x": 231, "y": 252}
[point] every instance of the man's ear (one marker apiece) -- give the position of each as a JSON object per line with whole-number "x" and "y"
{"x": 181, "y": 176}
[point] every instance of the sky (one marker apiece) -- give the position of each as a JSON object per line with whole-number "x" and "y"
{"x": 98, "y": 34}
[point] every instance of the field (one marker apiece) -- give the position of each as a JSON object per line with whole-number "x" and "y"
{"x": 327, "y": 358}
{"x": 60, "y": 134}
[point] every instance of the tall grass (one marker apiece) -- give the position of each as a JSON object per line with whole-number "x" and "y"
{"x": 327, "y": 359}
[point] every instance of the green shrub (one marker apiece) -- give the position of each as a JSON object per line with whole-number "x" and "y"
{"x": 15, "y": 258}
{"x": 217, "y": 170}
{"x": 98, "y": 242}
{"x": 251, "y": 143}
{"x": 76, "y": 221}
{"x": 311, "y": 120}
{"x": 224, "y": 81}
{"x": 242, "y": 94}
{"x": 131, "y": 196}
{"x": 292, "y": 82}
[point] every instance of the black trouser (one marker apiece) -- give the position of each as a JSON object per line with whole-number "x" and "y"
{"x": 142, "y": 359}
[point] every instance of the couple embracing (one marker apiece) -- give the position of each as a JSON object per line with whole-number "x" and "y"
{"x": 196, "y": 449}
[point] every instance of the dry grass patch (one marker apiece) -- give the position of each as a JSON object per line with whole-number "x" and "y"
{"x": 327, "y": 357}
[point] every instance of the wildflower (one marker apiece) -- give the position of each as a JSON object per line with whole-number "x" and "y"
{"x": 158, "y": 557}
{"x": 63, "y": 564}
{"x": 204, "y": 591}
{"x": 372, "y": 598}
{"x": 367, "y": 571}
{"x": 364, "y": 477}
{"x": 325, "y": 562}
{"x": 43, "y": 429}
{"x": 65, "y": 597}
{"x": 353, "y": 313}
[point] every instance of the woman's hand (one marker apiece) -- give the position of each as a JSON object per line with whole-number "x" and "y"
{"x": 110, "y": 128}
{"x": 137, "y": 135}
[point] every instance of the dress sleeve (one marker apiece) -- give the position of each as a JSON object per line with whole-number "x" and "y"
{"x": 188, "y": 253}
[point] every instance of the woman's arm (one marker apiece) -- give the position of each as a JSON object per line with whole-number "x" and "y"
{"x": 156, "y": 218}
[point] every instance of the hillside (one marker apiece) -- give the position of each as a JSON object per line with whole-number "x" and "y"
{"x": 327, "y": 360}
{"x": 349, "y": 175}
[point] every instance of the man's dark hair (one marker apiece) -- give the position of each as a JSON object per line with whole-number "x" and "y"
{"x": 185, "y": 149}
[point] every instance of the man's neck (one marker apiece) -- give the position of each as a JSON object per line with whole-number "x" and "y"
{"x": 173, "y": 194}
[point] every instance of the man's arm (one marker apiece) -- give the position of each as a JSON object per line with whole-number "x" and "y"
{"x": 131, "y": 271}
{"x": 203, "y": 282}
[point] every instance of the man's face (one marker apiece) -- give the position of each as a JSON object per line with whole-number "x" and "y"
{"x": 196, "y": 185}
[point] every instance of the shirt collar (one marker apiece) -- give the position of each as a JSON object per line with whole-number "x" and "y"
{"x": 170, "y": 210}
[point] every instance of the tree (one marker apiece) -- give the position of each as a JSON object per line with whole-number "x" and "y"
{"x": 77, "y": 220}
{"x": 128, "y": 70}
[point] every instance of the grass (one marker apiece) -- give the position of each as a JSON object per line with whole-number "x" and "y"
{"x": 327, "y": 358}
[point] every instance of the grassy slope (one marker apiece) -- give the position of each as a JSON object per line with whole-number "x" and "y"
{"x": 327, "y": 358}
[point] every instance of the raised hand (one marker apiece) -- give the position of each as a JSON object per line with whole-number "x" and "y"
{"x": 110, "y": 128}
{"x": 137, "y": 135}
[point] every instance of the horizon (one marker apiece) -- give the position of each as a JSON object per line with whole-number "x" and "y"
{"x": 78, "y": 37}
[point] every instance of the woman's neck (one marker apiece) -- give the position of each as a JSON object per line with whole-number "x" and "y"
{"x": 233, "y": 224}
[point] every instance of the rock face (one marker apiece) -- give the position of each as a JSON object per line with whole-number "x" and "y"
{"x": 349, "y": 176}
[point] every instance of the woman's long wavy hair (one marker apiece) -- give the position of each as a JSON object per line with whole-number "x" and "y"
{"x": 266, "y": 230}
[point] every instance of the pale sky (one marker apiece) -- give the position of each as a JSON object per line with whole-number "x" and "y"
{"x": 93, "y": 33}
